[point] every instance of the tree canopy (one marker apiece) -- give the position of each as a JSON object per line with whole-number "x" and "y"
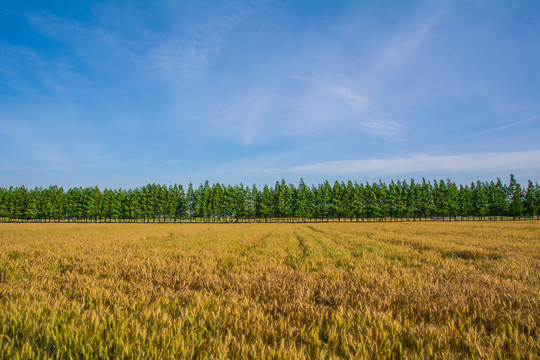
{"x": 440, "y": 199}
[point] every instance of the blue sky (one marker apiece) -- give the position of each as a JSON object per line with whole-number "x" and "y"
{"x": 121, "y": 94}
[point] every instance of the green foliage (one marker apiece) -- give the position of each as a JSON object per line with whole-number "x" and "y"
{"x": 515, "y": 197}
{"x": 283, "y": 202}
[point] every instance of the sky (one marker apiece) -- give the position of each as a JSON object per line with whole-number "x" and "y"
{"x": 120, "y": 94}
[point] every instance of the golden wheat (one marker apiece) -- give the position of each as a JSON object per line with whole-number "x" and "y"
{"x": 291, "y": 291}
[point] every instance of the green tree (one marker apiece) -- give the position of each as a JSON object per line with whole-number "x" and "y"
{"x": 32, "y": 205}
{"x": 349, "y": 199}
{"x": 255, "y": 203}
{"x": 265, "y": 206}
{"x": 294, "y": 201}
{"x": 74, "y": 202}
{"x": 414, "y": 190}
{"x": 216, "y": 203}
{"x": 91, "y": 203}
{"x": 499, "y": 199}
{"x": 241, "y": 202}
{"x": 358, "y": 201}
{"x": 108, "y": 204}
{"x": 121, "y": 205}
{"x": 286, "y": 208}
{"x": 406, "y": 206}
{"x": 537, "y": 200}
{"x": 394, "y": 200}
{"x": 515, "y": 197}
{"x": 54, "y": 203}
{"x": 325, "y": 198}
{"x": 191, "y": 202}
{"x": 465, "y": 201}
{"x": 530, "y": 203}
{"x": 338, "y": 206}
{"x": 425, "y": 199}
{"x": 303, "y": 209}
{"x": 136, "y": 204}
{"x": 452, "y": 202}
{"x": 177, "y": 202}
{"x": 277, "y": 201}
{"x": 371, "y": 201}
{"x": 441, "y": 198}
{"x": 4, "y": 204}
{"x": 480, "y": 199}
{"x": 381, "y": 209}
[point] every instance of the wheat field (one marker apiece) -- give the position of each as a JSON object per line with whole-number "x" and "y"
{"x": 440, "y": 290}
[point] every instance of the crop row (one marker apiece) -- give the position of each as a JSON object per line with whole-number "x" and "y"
{"x": 320, "y": 290}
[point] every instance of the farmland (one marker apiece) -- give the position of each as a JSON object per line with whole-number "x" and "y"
{"x": 307, "y": 290}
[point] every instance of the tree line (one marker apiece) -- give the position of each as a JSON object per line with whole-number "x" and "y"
{"x": 441, "y": 200}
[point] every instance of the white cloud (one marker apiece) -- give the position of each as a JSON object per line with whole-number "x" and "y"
{"x": 179, "y": 59}
{"x": 503, "y": 127}
{"x": 327, "y": 103}
{"x": 270, "y": 111}
{"x": 29, "y": 139}
{"x": 403, "y": 45}
{"x": 339, "y": 91}
{"x": 128, "y": 47}
{"x": 509, "y": 161}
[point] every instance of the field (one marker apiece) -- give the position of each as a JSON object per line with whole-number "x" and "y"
{"x": 322, "y": 290}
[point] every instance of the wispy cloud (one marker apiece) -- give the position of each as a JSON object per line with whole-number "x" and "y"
{"x": 268, "y": 112}
{"x": 508, "y": 161}
{"x": 337, "y": 90}
{"x": 331, "y": 103}
{"x": 404, "y": 44}
{"x": 504, "y": 127}
{"x": 130, "y": 48}
{"x": 97, "y": 47}
{"x": 274, "y": 99}
{"x": 324, "y": 96}
{"x": 52, "y": 146}
{"x": 190, "y": 51}
{"x": 178, "y": 59}
{"x": 234, "y": 87}
{"x": 18, "y": 60}
{"x": 27, "y": 138}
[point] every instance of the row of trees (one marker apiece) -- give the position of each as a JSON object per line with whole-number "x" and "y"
{"x": 282, "y": 202}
